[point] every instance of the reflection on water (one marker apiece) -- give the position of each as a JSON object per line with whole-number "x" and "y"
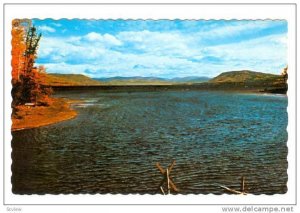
{"x": 114, "y": 143}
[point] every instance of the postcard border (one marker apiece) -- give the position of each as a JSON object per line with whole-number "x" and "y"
{"x": 296, "y": 113}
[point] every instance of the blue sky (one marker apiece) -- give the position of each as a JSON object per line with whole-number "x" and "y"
{"x": 163, "y": 48}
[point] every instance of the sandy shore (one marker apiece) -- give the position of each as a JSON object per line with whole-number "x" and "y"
{"x": 31, "y": 117}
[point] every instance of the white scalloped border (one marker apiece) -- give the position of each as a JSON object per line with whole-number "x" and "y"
{"x": 154, "y": 12}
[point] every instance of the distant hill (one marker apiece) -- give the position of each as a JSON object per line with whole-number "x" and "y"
{"x": 249, "y": 80}
{"x": 56, "y": 79}
{"x": 233, "y": 80}
{"x": 69, "y": 80}
{"x": 190, "y": 79}
{"x": 245, "y": 76}
{"x": 137, "y": 80}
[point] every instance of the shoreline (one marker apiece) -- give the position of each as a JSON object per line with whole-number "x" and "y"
{"x": 38, "y": 116}
{"x": 60, "y": 108}
{"x": 230, "y": 87}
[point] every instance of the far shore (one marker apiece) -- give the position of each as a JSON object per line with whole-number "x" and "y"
{"x": 36, "y": 116}
{"x": 229, "y": 87}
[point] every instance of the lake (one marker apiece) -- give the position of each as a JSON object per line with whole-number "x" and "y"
{"x": 113, "y": 144}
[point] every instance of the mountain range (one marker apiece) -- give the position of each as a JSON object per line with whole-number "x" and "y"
{"x": 226, "y": 80}
{"x": 136, "y": 80}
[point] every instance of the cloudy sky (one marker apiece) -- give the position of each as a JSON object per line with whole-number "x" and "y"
{"x": 164, "y": 48}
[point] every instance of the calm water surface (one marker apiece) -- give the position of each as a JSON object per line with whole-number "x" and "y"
{"x": 116, "y": 139}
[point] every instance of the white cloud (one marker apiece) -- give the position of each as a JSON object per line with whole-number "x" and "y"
{"x": 93, "y": 36}
{"x": 64, "y": 68}
{"x": 162, "y": 54}
{"x": 158, "y": 43}
{"x": 267, "y": 54}
{"x": 111, "y": 39}
{"x": 234, "y": 29}
{"x": 56, "y": 24}
{"x": 45, "y": 28}
{"x": 105, "y": 39}
{"x": 63, "y": 49}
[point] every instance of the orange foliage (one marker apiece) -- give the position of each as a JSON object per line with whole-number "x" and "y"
{"x": 18, "y": 49}
{"x": 26, "y": 79}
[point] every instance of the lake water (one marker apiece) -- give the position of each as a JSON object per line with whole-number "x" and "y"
{"x": 113, "y": 144}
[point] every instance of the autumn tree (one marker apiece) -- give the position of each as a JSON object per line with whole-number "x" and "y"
{"x": 18, "y": 50}
{"x": 18, "y": 59}
{"x": 26, "y": 80}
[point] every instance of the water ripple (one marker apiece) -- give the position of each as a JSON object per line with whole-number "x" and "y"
{"x": 117, "y": 138}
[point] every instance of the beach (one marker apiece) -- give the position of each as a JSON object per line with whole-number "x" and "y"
{"x": 36, "y": 116}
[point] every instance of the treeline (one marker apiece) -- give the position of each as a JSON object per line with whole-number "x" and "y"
{"x": 27, "y": 80}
